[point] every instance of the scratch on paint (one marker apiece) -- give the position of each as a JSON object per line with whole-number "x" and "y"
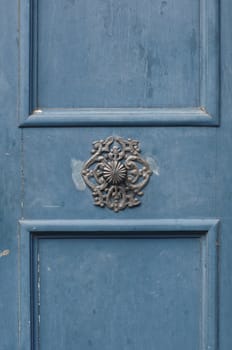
{"x": 4, "y": 253}
{"x": 53, "y": 205}
{"x": 77, "y": 166}
{"x": 152, "y": 161}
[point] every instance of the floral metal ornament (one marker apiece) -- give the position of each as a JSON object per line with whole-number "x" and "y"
{"x": 116, "y": 173}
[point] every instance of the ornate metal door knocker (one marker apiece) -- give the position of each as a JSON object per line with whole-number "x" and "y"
{"x": 116, "y": 173}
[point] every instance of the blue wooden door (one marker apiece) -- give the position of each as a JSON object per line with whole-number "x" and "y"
{"x": 102, "y": 100}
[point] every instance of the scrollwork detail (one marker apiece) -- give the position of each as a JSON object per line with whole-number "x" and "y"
{"x": 116, "y": 173}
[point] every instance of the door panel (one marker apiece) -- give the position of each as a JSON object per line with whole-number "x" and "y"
{"x": 119, "y": 293}
{"x": 118, "y": 54}
{"x": 124, "y": 283}
{"x": 125, "y": 62}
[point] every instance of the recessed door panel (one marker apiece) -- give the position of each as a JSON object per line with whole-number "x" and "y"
{"x": 120, "y": 293}
{"x": 128, "y": 284}
{"x": 129, "y": 62}
{"x": 118, "y": 53}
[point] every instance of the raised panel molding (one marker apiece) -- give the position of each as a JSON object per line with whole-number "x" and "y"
{"x": 205, "y": 230}
{"x": 205, "y": 114}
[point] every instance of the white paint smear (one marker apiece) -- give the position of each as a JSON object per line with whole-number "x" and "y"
{"x": 152, "y": 161}
{"x": 4, "y": 253}
{"x": 77, "y": 166}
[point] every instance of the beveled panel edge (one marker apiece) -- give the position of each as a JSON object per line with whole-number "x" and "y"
{"x": 207, "y": 114}
{"x": 210, "y": 58}
{"x": 120, "y": 117}
{"x": 207, "y": 230}
{"x": 97, "y": 225}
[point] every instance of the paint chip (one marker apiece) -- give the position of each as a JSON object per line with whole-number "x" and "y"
{"x": 77, "y": 166}
{"x": 4, "y": 253}
{"x": 152, "y": 161}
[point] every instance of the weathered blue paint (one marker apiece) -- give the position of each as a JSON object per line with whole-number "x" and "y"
{"x": 10, "y": 176}
{"x": 169, "y": 195}
{"x": 179, "y": 207}
{"x": 121, "y": 117}
{"x": 119, "y": 283}
{"x": 163, "y": 67}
